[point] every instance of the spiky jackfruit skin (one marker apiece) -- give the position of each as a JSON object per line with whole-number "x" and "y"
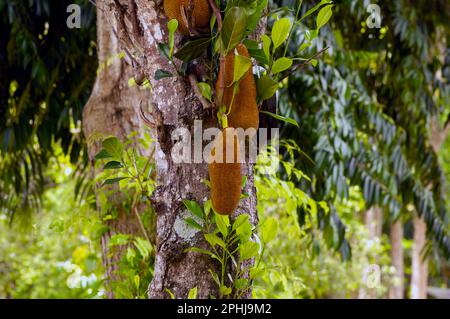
{"x": 198, "y": 16}
{"x": 244, "y": 111}
{"x": 225, "y": 173}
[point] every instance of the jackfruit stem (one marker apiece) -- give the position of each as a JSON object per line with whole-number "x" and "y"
{"x": 224, "y": 121}
{"x": 235, "y": 87}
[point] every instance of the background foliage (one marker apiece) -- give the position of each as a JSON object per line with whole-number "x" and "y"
{"x": 365, "y": 108}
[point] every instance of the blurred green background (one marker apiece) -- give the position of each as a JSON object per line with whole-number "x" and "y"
{"x": 368, "y": 114}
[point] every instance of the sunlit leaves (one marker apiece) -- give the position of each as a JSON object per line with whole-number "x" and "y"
{"x": 323, "y": 16}
{"x": 269, "y": 229}
{"x": 118, "y": 240}
{"x": 280, "y": 31}
{"x": 281, "y": 65}
{"x": 192, "y": 293}
{"x": 172, "y": 26}
{"x": 113, "y": 147}
{"x": 248, "y": 250}
{"x": 266, "y": 43}
{"x": 241, "y": 65}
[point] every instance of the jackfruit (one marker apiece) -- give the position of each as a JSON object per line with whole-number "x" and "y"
{"x": 198, "y": 13}
{"x": 225, "y": 172}
{"x": 244, "y": 111}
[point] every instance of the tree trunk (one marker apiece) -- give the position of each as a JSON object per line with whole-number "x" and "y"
{"x": 374, "y": 224}
{"x": 396, "y": 291}
{"x": 419, "y": 277}
{"x": 141, "y": 27}
{"x": 112, "y": 109}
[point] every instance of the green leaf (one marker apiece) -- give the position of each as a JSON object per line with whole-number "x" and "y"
{"x": 266, "y": 45}
{"x": 193, "y": 207}
{"x": 215, "y": 277}
{"x": 269, "y": 229}
{"x": 202, "y": 251}
{"x": 207, "y": 207}
{"x": 102, "y": 154}
{"x": 241, "y": 283}
{"x": 281, "y": 65}
{"x": 222, "y": 222}
{"x": 233, "y": 28}
{"x": 241, "y": 65}
{"x": 214, "y": 240}
{"x": 164, "y": 49}
{"x": 314, "y": 9}
{"x": 113, "y": 146}
{"x": 193, "y": 49}
{"x": 282, "y": 118}
{"x": 172, "y": 26}
{"x": 110, "y": 181}
{"x": 266, "y": 87}
{"x": 254, "y": 16}
{"x": 248, "y": 250}
{"x": 280, "y": 31}
{"x": 244, "y": 181}
{"x": 323, "y": 16}
{"x": 118, "y": 240}
{"x": 256, "y": 272}
{"x": 161, "y": 74}
{"x": 172, "y": 296}
{"x": 113, "y": 165}
{"x": 192, "y": 293}
{"x": 206, "y": 91}
{"x": 130, "y": 255}
{"x": 304, "y": 46}
{"x": 137, "y": 281}
{"x": 240, "y": 220}
{"x": 259, "y": 55}
{"x": 144, "y": 247}
{"x": 224, "y": 290}
{"x": 191, "y": 222}
{"x": 251, "y": 44}
{"x": 243, "y": 227}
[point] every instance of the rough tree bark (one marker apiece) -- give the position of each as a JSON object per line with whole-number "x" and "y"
{"x": 112, "y": 109}
{"x": 396, "y": 291}
{"x": 174, "y": 105}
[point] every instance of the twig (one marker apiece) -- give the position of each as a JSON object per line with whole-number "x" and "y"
{"x": 145, "y": 118}
{"x": 221, "y": 81}
{"x": 198, "y": 94}
{"x": 216, "y": 12}
{"x": 144, "y": 232}
{"x": 300, "y": 66}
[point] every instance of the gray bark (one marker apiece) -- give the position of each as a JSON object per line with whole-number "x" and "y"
{"x": 419, "y": 277}
{"x": 112, "y": 109}
{"x": 396, "y": 291}
{"x": 141, "y": 26}
{"x": 374, "y": 223}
